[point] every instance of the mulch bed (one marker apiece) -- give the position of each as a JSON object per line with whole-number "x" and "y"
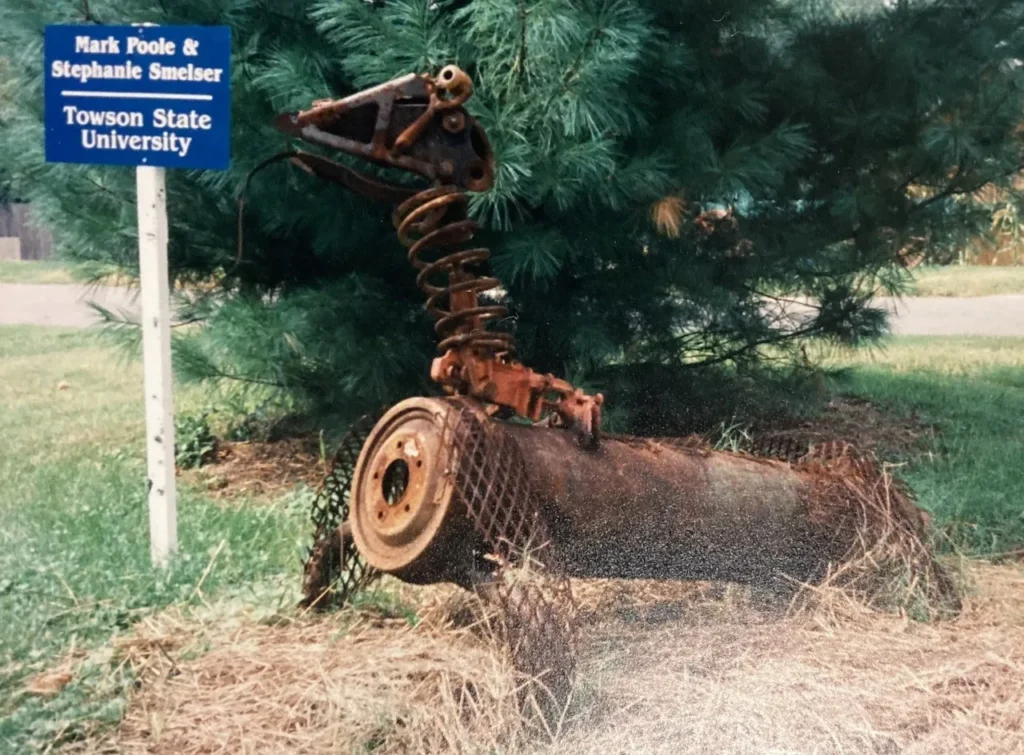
{"x": 257, "y": 470}
{"x": 856, "y": 421}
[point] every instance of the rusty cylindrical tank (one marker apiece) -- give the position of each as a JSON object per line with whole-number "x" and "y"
{"x": 632, "y": 508}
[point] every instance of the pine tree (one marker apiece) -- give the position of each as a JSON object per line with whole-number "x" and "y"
{"x": 666, "y": 169}
{"x": 8, "y": 193}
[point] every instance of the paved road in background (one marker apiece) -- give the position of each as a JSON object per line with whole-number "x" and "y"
{"x": 60, "y": 304}
{"x": 945, "y": 316}
{"x": 67, "y": 305}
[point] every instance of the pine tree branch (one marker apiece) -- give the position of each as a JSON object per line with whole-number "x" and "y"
{"x": 773, "y": 297}
{"x": 520, "y": 64}
{"x": 576, "y": 182}
{"x": 751, "y": 345}
{"x": 901, "y": 190}
{"x": 266, "y": 9}
{"x": 188, "y": 321}
{"x": 106, "y": 190}
{"x": 219, "y": 373}
{"x": 574, "y": 68}
{"x": 949, "y": 191}
{"x": 952, "y": 189}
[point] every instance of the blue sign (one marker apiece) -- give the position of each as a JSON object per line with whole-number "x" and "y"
{"x": 138, "y": 95}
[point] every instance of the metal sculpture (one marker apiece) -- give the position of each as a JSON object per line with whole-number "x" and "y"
{"x": 418, "y": 124}
{"x": 447, "y": 490}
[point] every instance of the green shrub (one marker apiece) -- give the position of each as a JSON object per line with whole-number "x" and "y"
{"x": 194, "y": 444}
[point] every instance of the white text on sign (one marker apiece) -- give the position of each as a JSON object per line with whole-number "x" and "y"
{"x": 84, "y": 72}
{"x": 112, "y": 46}
{"x": 161, "y": 118}
{"x": 138, "y": 95}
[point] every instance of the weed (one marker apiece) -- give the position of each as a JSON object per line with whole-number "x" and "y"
{"x": 386, "y": 604}
{"x": 250, "y": 427}
{"x": 194, "y": 442}
{"x": 732, "y": 436}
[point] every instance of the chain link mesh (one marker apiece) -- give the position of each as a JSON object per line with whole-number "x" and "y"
{"x": 536, "y": 610}
{"x": 334, "y": 570}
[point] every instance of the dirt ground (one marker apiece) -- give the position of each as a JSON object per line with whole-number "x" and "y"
{"x": 258, "y": 471}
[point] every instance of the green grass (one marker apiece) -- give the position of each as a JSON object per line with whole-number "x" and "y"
{"x": 967, "y": 280}
{"x": 972, "y": 389}
{"x": 43, "y": 271}
{"x": 74, "y": 552}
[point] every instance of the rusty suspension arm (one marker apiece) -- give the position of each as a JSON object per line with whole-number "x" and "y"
{"x": 418, "y": 124}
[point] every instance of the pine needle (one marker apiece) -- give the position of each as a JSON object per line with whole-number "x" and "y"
{"x": 667, "y": 215}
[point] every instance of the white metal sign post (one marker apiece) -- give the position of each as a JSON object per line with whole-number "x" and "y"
{"x": 153, "y": 97}
{"x": 156, "y": 357}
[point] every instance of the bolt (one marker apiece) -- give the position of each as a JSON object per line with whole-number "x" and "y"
{"x": 446, "y": 169}
{"x": 454, "y": 122}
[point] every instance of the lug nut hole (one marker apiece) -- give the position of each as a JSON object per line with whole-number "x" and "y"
{"x": 395, "y": 482}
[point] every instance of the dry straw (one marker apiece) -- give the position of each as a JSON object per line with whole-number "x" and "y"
{"x": 888, "y": 559}
{"x": 351, "y": 682}
{"x": 715, "y": 673}
{"x": 727, "y": 678}
{"x": 843, "y": 666}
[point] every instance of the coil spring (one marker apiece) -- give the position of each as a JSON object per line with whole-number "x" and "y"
{"x": 435, "y": 219}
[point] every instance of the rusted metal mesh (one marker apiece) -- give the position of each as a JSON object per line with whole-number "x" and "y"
{"x": 762, "y": 447}
{"x": 334, "y": 570}
{"x": 890, "y": 502}
{"x": 534, "y": 607}
{"x": 887, "y": 555}
{"x": 537, "y": 616}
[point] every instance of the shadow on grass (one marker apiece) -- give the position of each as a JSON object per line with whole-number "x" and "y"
{"x": 970, "y": 479}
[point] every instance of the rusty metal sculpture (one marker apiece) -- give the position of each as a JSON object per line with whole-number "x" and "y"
{"x": 418, "y": 124}
{"x": 632, "y": 508}
{"x": 443, "y": 490}
{"x": 397, "y": 508}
